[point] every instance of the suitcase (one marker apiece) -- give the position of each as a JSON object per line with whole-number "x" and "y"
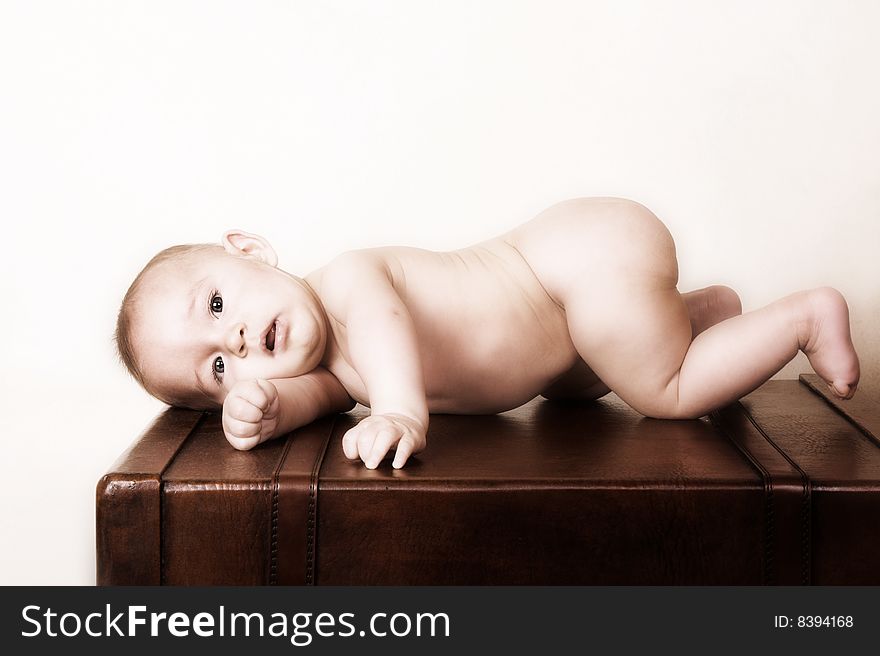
{"x": 780, "y": 488}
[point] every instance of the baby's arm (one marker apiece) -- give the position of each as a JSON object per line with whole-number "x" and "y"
{"x": 357, "y": 291}
{"x": 257, "y": 410}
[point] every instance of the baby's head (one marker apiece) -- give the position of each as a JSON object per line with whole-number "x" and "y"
{"x": 201, "y": 317}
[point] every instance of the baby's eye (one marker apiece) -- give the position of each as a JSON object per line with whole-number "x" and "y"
{"x": 217, "y": 368}
{"x": 216, "y": 304}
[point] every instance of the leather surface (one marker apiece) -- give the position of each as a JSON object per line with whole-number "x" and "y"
{"x": 128, "y": 503}
{"x": 780, "y": 488}
{"x": 546, "y": 494}
{"x": 842, "y": 460}
{"x": 786, "y": 559}
{"x": 216, "y": 510}
{"x": 295, "y": 506}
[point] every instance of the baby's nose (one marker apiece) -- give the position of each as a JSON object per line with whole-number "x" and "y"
{"x": 235, "y": 341}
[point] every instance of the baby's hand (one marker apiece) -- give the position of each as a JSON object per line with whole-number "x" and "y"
{"x": 250, "y": 413}
{"x": 374, "y": 436}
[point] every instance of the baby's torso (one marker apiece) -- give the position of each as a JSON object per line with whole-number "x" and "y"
{"x": 490, "y": 336}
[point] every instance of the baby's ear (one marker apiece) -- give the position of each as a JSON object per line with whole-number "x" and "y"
{"x": 239, "y": 242}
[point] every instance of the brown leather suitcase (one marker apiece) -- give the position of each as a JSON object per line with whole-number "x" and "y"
{"x": 782, "y": 487}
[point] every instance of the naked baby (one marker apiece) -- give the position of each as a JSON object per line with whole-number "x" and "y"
{"x": 578, "y": 301}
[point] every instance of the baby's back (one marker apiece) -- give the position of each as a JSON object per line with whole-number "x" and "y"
{"x": 490, "y": 336}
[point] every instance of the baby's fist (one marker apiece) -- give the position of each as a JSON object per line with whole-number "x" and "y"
{"x": 374, "y": 436}
{"x": 250, "y": 413}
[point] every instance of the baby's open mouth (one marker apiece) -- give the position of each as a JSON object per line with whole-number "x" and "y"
{"x": 270, "y": 338}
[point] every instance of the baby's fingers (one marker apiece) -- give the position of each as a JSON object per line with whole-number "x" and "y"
{"x": 243, "y": 443}
{"x": 242, "y": 435}
{"x": 405, "y": 449}
{"x": 238, "y": 428}
{"x": 385, "y": 439}
{"x": 365, "y": 440}
{"x": 243, "y": 410}
{"x": 257, "y": 392}
{"x": 349, "y": 442}
{"x": 270, "y": 391}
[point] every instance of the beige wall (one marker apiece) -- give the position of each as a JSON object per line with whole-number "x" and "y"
{"x": 750, "y": 128}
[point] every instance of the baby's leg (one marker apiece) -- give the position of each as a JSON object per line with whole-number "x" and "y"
{"x": 815, "y": 321}
{"x": 649, "y": 361}
{"x": 734, "y": 357}
{"x": 631, "y": 327}
{"x": 706, "y": 307}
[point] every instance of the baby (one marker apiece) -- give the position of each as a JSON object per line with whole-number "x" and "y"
{"x": 579, "y": 301}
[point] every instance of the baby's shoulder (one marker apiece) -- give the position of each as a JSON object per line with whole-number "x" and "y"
{"x": 368, "y": 271}
{"x": 360, "y": 264}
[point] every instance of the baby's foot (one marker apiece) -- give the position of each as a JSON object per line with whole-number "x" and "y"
{"x": 825, "y": 339}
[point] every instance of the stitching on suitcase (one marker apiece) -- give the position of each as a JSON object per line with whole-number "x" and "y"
{"x": 311, "y": 523}
{"x": 806, "y": 488}
{"x": 769, "y": 574}
{"x": 273, "y": 541}
{"x": 163, "y": 579}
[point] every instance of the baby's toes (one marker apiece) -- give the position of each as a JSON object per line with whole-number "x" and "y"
{"x": 843, "y": 390}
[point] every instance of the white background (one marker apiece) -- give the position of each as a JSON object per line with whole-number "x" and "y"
{"x": 750, "y": 128}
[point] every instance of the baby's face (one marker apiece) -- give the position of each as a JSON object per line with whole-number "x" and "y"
{"x": 211, "y": 319}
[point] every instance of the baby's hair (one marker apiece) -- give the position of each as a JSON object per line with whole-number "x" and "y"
{"x": 125, "y": 320}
